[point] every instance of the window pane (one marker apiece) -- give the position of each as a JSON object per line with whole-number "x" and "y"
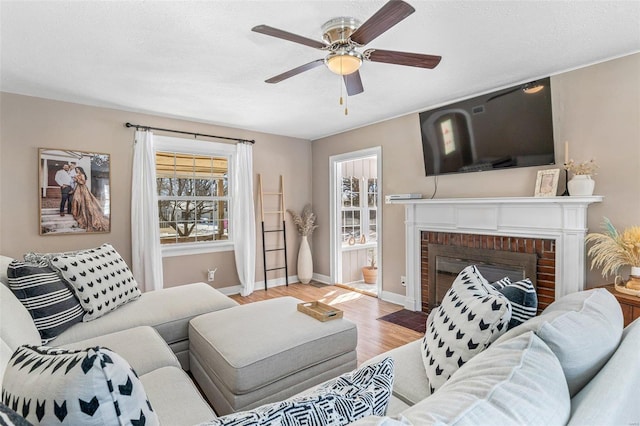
{"x": 355, "y": 191}
{"x": 201, "y": 179}
{"x": 372, "y": 192}
{"x": 373, "y": 231}
{"x": 203, "y": 187}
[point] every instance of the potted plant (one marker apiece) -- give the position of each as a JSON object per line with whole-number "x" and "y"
{"x": 370, "y": 272}
{"x": 612, "y": 250}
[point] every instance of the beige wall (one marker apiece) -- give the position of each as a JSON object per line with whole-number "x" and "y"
{"x": 596, "y": 109}
{"x": 28, "y": 123}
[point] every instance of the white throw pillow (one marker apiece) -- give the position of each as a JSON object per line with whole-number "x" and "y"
{"x": 83, "y": 387}
{"x": 472, "y": 315}
{"x": 363, "y": 392}
{"x": 583, "y": 330}
{"x": 100, "y": 278}
{"x": 517, "y": 382}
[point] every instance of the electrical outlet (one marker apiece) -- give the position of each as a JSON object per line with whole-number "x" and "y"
{"x": 403, "y": 280}
{"x": 211, "y": 274}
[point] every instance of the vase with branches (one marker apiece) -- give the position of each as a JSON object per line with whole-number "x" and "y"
{"x": 305, "y": 223}
{"x": 613, "y": 250}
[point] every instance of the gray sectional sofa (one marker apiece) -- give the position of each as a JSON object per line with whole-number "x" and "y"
{"x": 151, "y": 333}
{"x": 573, "y": 364}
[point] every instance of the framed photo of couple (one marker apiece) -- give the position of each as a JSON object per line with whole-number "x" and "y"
{"x": 74, "y": 189}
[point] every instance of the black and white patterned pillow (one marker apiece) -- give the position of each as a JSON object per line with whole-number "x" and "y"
{"x": 8, "y": 417}
{"x": 100, "y": 278}
{"x": 523, "y": 297}
{"x": 38, "y": 258}
{"x": 52, "y": 305}
{"x": 83, "y": 387}
{"x": 343, "y": 400}
{"x": 472, "y": 315}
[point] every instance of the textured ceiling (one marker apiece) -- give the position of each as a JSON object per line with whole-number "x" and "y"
{"x": 200, "y": 61}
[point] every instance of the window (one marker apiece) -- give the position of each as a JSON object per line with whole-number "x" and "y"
{"x": 359, "y": 200}
{"x": 193, "y": 181}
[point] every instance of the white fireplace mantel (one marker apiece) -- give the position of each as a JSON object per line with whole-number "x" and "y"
{"x": 563, "y": 219}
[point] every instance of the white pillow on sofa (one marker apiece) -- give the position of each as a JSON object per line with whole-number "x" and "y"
{"x": 87, "y": 387}
{"x": 516, "y": 382}
{"x": 582, "y": 329}
{"x": 100, "y": 278}
{"x": 472, "y": 315}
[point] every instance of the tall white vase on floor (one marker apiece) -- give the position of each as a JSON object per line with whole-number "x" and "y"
{"x": 305, "y": 261}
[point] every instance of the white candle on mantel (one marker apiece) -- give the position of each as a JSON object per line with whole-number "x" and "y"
{"x": 566, "y": 152}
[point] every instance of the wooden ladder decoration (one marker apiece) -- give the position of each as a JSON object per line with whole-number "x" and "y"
{"x": 282, "y": 232}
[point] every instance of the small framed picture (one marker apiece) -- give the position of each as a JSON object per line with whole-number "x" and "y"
{"x": 547, "y": 183}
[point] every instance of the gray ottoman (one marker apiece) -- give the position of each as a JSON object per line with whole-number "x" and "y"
{"x": 266, "y": 351}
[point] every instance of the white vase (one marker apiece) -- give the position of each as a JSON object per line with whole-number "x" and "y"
{"x": 305, "y": 262}
{"x": 581, "y": 185}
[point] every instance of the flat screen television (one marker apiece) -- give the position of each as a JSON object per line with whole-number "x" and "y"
{"x": 512, "y": 127}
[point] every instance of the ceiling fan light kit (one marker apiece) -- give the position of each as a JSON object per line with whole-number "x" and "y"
{"x": 344, "y": 62}
{"x": 342, "y": 37}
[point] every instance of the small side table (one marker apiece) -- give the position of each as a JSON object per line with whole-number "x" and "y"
{"x": 630, "y": 304}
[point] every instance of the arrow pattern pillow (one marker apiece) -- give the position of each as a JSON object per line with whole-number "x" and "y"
{"x": 472, "y": 315}
{"x": 100, "y": 278}
{"x": 523, "y": 297}
{"x": 87, "y": 387}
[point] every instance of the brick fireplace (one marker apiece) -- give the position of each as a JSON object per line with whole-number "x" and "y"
{"x": 552, "y": 228}
{"x": 543, "y": 252}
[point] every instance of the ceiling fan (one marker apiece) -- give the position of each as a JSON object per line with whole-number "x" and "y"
{"x": 343, "y": 36}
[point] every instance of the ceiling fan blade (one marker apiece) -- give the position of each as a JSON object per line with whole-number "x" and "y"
{"x": 386, "y": 17}
{"x": 353, "y": 82}
{"x": 274, "y": 32}
{"x": 302, "y": 68}
{"x": 402, "y": 58}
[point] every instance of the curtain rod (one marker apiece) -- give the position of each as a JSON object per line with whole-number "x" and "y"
{"x": 140, "y": 126}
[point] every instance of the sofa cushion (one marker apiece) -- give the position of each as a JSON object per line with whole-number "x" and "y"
{"x": 101, "y": 279}
{"x": 16, "y": 327}
{"x": 582, "y": 329}
{"x": 168, "y": 311}
{"x": 472, "y": 315}
{"x": 363, "y": 392}
{"x": 4, "y": 264}
{"x": 611, "y": 397}
{"x": 516, "y": 382}
{"x": 90, "y": 387}
{"x": 175, "y": 398}
{"x": 135, "y": 345}
{"x": 523, "y": 297}
{"x": 411, "y": 384}
{"x": 52, "y": 305}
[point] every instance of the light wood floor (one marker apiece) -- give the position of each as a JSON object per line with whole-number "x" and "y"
{"x": 374, "y": 337}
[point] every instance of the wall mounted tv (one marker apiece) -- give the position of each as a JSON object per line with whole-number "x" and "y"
{"x": 508, "y": 128}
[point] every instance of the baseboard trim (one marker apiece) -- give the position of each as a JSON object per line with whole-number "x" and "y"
{"x": 395, "y": 298}
{"x": 276, "y": 282}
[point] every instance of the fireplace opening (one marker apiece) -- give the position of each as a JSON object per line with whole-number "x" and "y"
{"x": 446, "y": 261}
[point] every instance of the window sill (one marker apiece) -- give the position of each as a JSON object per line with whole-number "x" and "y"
{"x": 358, "y": 246}
{"x": 187, "y": 249}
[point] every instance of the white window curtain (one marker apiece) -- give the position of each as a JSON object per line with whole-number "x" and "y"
{"x": 243, "y": 218}
{"x": 145, "y": 232}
